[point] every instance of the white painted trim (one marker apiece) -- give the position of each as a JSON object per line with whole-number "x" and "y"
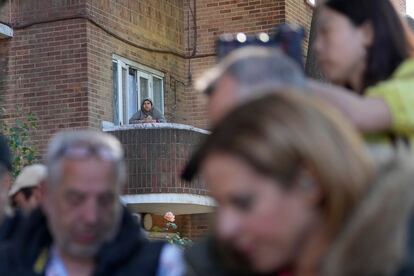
{"x": 171, "y": 198}
{"x": 138, "y": 66}
{"x": 5, "y": 31}
{"x": 108, "y": 128}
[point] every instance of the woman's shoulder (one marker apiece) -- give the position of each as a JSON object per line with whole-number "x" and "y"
{"x": 392, "y": 193}
{"x": 401, "y": 81}
{"x": 405, "y": 70}
{"x": 403, "y": 77}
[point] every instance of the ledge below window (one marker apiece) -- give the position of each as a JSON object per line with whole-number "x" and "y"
{"x": 108, "y": 127}
{"x": 5, "y": 31}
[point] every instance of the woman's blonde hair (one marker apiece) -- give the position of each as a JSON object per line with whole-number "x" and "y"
{"x": 284, "y": 131}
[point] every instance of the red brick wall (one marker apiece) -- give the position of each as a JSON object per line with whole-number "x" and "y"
{"x": 61, "y": 67}
{"x": 5, "y": 15}
{"x": 401, "y": 5}
{"x": 215, "y": 17}
{"x": 59, "y": 63}
{"x": 194, "y": 226}
{"x": 45, "y": 66}
{"x": 124, "y": 25}
{"x": 300, "y": 12}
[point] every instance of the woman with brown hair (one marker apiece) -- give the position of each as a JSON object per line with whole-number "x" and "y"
{"x": 285, "y": 180}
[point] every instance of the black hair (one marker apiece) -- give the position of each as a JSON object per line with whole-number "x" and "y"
{"x": 392, "y": 42}
{"x": 5, "y": 154}
{"x": 27, "y": 193}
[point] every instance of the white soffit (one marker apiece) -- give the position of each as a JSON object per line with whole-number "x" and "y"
{"x": 160, "y": 203}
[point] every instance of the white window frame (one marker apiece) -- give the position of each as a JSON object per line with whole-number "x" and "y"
{"x": 148, "y": 77}
{"x": 162, "y": 89}
{"x": 141, "y": 71}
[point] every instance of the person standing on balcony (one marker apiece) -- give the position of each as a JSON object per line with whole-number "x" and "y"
{"x": 147, "y": 114}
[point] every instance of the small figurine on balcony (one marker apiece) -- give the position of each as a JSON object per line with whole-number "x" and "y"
{"x": 147, "y": 114}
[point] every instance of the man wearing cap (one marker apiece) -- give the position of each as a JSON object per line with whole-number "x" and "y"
{"x": 25, "y": 193}
{"x": 147, "y": 114}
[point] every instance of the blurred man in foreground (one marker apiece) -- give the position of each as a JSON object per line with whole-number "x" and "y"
{"x": 82, "y": 228}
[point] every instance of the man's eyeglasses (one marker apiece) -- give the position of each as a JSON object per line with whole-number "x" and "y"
{"x": 83, "y": 151}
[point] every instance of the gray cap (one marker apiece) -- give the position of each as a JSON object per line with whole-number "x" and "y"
{"x": 30, "y": 176}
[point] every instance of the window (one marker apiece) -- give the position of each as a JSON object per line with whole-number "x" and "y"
{"x": 132, "y": 83}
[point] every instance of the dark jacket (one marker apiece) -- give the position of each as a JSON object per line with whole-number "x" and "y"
{"x": 207, "y": 257}
{"x": 142, "y": 115}
{"x": 10, "y": 225}
{"x": 129, "y": 253}
{"x": 153, "y": 114}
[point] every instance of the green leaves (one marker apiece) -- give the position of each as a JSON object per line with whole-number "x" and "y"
{"x": 176, "y": 239}
{"x": 18, "y": 133}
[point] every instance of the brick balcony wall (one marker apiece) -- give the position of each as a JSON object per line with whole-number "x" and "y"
{"x": 133, "y": 29}
{"x": 155, "y": 159}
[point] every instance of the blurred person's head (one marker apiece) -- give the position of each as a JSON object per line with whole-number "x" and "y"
{"x": 385, "y": 216}
{"x": 294, "y": 169}
{"x": 146, "y": 105}
{"x": 5, "y": 174}
{"x": 86, "y": 172}
{"x": 247, "y": 69}
{"x": 360, "y": 42}
{"x": 25, "y": 193}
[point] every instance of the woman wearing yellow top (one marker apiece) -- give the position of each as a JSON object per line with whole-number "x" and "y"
{"x": 364, "y": 47}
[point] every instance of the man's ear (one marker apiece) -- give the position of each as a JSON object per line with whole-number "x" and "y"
{"x": 367, "y": 32}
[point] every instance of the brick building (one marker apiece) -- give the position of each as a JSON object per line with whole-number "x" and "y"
{"x": 89, "y": 63}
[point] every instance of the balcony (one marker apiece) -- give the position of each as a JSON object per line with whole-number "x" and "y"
{"x": 155, "y": 156}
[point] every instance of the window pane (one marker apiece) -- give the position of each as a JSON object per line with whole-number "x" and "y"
{"x": 115, "y": 94}
{"x": 158, "y": 101}
{"x": 143, "y": 88}
{"x": 133, "y": 105}
{"x": 124, "y": 94}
